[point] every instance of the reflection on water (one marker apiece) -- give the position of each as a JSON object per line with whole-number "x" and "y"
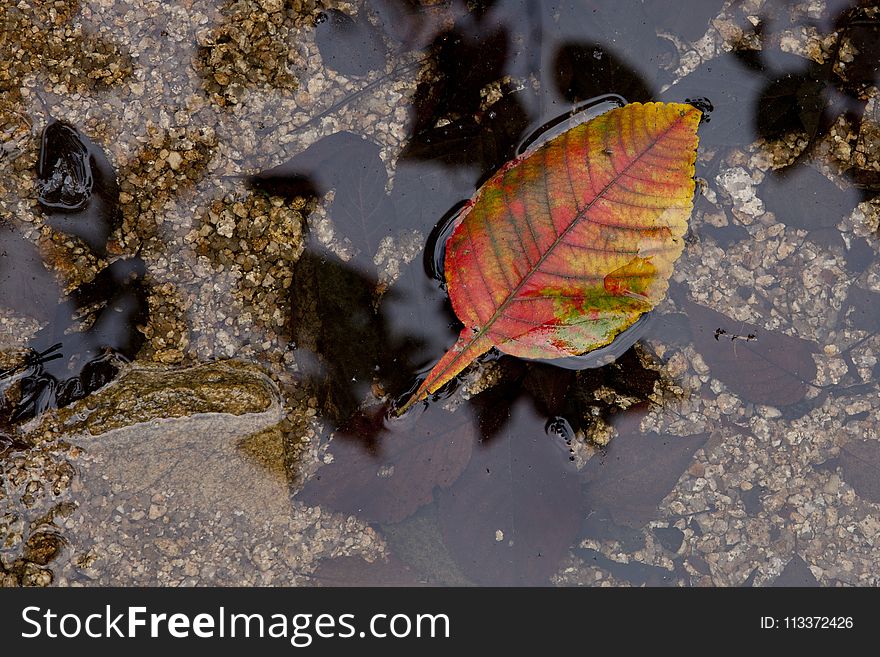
{"x": 285, "y": 202}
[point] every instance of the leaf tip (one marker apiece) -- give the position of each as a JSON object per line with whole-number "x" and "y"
{"x": 467, "y": 348}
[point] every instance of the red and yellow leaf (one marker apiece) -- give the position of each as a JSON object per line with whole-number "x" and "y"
{"x": 566, "y": 247}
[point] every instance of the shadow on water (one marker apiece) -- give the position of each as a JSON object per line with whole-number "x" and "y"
{"x": 510, "y": 481}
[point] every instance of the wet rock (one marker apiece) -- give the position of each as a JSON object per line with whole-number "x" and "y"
{"x": 176, "y": 470}
{"x": 144, "y": 393}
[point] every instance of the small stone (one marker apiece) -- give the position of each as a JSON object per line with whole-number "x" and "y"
{"x": 167, "y": 546}
{"x": 727, "y": 403}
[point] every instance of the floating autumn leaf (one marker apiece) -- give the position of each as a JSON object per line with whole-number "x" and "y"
{"x": 570, "y": 244}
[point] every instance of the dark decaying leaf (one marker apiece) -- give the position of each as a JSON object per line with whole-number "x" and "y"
{"x": 351, "y": 166}
{"x": 796, "y": 573}
{"x": 354, "y": 571}
{"x": 633, "y": 572}
{"x": 669, "y": 537}
{"x": 391, "y": 477}
{"x": 860, "y": 462}
{"x": 77, "y": 185}
{"x": 64, "y": 170}
{"x": 804, "y": 198}
{"x": 638, "y": 470}
{"x": 771, "y": 368}
{"x": 862, "y": 308}
{"x": 515, "y": 510}
{"x": 351, "y": 46}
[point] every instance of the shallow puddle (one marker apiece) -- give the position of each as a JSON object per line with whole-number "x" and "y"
{"x": 221, "y": 269}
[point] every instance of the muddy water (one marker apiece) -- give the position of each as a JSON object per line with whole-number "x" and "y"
{"x": 282, "y": 200}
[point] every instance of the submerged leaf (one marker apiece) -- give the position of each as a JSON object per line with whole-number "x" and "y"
{"x": 392, "y": 477}
{"x": 760, "y": 366}
{"x": 639, "y": 469}
{"x": 351, "y": 166}
{"x": 514, "y": 513}
{"x": 355, "y": 571}
{"x": 860, "y": 462}
{"x": 796, "y": 573}
{"x": 569, "y": 245}
{"x": 351, "y": 46}
{"x": 804, "y": 198}
{"x": 26, "y": 286}
{"x": 633, "y": 572}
